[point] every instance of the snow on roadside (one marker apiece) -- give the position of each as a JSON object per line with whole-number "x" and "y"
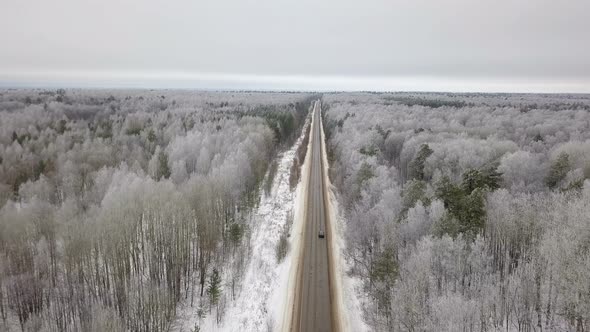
{"x": 348, "y": 289}
{"x": 254, "y": 305}
{"x": 351, "y": 287}
{"x": 284, "y": 294}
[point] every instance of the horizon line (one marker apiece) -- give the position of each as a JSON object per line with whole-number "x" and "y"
{"x": 179, "y": 80}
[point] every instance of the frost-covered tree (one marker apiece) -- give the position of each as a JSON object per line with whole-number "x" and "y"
{"x": 115, "y": 205}
{"x": 464, "y": 233}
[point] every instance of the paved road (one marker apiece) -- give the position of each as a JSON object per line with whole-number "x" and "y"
{"x": 313, "y": 311}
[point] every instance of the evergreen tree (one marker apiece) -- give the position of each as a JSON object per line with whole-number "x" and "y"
{"x": 414, "y": 191}
{"x": 214, "y": 289}
{"x": 416, "y": 167}
{"x": 466, "y": 202}
{"x": 558, "y": 170}
{"x": 163, "y": 169}
{"x": 151, "y": 135}
{"x": 488, "y": 178}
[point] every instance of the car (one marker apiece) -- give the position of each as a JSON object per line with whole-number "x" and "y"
{"x": 321, "y": 234}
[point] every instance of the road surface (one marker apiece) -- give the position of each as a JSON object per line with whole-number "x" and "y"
{"x": 313, "y": 304}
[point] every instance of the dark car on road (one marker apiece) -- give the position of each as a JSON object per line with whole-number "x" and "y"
{"x": 321, "y": 234}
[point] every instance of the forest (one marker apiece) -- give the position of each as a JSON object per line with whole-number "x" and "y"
{"x": 116, "y": 205}
{"x": 465, "y": 212}
{"x": 462, "y": 212}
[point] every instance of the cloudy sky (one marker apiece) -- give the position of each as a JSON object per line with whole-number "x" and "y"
{"x": 452, "y": 45}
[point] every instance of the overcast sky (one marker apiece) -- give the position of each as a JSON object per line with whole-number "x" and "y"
{"x": 456, "y": 45}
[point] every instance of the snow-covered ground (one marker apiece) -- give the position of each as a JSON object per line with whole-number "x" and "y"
{"x": 262, "y": 286}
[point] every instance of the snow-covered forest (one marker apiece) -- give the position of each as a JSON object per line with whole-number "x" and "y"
{"x": 116, "y": 206}
{"x": 132, "y": 210}
{"x": 465, "y": 212}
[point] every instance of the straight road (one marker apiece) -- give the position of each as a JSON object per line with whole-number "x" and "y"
{"x": 313, "y": 304}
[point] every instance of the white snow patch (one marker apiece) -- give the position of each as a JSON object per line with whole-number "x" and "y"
{"x": 262, "y": 287}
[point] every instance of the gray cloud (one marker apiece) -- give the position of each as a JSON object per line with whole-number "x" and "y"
{"x": 510, "y": 40}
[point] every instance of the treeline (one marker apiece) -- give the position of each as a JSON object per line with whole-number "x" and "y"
{"x": 465, "y": 218}
{"x": 119, "y": 205}
{"x": 422, "y": 101}
{"x": 286, "y": 125}
{"x": 299, "y": 158}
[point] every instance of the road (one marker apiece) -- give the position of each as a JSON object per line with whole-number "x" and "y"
{"x": 313, "y": 304}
